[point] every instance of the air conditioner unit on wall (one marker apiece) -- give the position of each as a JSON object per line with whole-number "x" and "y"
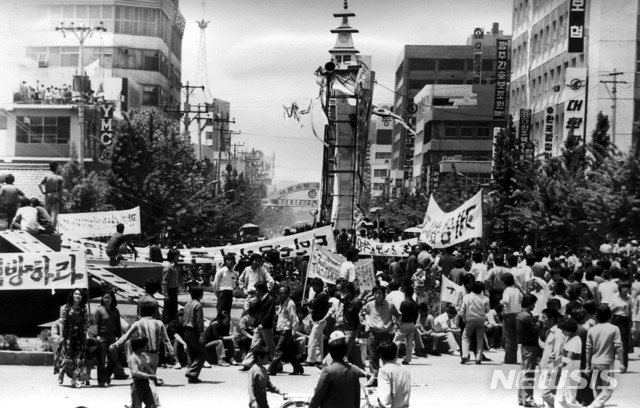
{"x": 43, "y": 64}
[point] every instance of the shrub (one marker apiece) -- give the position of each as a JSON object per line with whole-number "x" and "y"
{"x": 45, "y": 337}
{"x": 9, "y": 342}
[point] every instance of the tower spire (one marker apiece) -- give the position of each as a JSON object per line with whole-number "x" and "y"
{"x": 202, "y": 77}
{"x": 344, "y": 52}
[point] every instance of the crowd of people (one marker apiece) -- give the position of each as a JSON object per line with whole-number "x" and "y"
{"x": 51, "y": 95}
{"x": 567, "y": 312}
{"x": 30, "y": 214}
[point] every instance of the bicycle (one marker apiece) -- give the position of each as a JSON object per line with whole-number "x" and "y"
{"x": 303, "y": 400}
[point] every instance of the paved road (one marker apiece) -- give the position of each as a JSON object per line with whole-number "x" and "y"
{"x": 438, "y": 381}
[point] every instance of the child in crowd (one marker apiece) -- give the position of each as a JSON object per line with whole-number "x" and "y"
{"x": 141, "y": 373}
{"x": 259, "y": 382}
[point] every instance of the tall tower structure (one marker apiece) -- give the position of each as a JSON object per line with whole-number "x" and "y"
{"x": 202, "y": 78}
{"x": 348, "y": 95}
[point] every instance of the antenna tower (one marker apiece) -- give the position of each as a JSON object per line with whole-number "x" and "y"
{"x": 202, "y": 77}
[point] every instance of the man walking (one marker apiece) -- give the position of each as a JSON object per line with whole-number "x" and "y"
{"x": 527, "y": 333}
{"x": 263, "y": 309}
{"x": 407, "y": 329}
{"x": 320, "y": 311}
{"x": 379, "y": 318}
{"x": 287, "y": 318}
{"x": 194, "y": 335}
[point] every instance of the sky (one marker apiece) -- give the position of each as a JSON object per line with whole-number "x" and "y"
{"x": 262, "y": 55}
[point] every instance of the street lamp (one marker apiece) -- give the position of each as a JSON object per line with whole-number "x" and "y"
{"x": 81, "y": 32}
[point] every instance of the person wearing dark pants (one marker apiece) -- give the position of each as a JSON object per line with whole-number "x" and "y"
{"x": 528, "y": 339}
{"x": 620, "y": 305}
{"x": 194, "y": 335}
{"x": 511, "y": 300}
{"x": 379, "y": 316}
{"x": 170, "y": 285}
{"x": 286, "y": 319}
{"x": 223, "y": 284}
{"x": 351, "y": 321}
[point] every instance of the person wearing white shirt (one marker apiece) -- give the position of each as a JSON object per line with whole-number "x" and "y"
{"x": 445, "y": 327}
{"x": 395, "y": 296}
{"x": 511, "y": 299}
{"x": 571, "y": 353}
{"x": 479, "y": 268}
{"x": 475, "y": 307}
{"x": 394, "y": 381}
{"x": 607, "y": 288}
{"x": 254, "y": 274}
{"x": 539, "y": 289}
{"x": 551, "y": 353}
{"x": 26, "y": 218}
{"x": 224, "y": 283}
{"x": 348, "y": 267}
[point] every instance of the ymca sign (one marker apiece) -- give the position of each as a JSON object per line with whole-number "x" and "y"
{"x": 106, "y": 124}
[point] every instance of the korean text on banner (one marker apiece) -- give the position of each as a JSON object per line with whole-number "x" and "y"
{"x": 99, "y": 224}
{"x": 326, "y": 265}
{"x": 52, "y": 270}
{"x": 441, "y": 230}
{"x": 401, "y": 248}
{"x": 450, "y": 292}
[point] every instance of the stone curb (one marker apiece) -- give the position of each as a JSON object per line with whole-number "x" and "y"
{"x": 26, "y": 358}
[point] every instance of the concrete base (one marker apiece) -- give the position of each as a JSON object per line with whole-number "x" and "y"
{"x": 26, "y": 358}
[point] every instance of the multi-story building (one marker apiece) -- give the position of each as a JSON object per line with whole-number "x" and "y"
{"x": 134, "y": 63}
{"x": 571, "y": 59}
{"x": 422, "y": 65}
{"x": 382, "y": 178}
{"x": 455, "y": 127}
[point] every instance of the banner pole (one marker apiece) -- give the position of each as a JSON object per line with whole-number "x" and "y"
{"x": 485, "y": 256}
{"x": 306, "y": 275}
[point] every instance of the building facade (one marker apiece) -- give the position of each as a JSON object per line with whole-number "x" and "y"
{"x": 136, "y": 63}
{"x": 382, "y": 178}
{"x": 570, "y": 60}
{"x": 422, "y": 65}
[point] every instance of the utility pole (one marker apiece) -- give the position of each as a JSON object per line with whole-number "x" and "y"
{"x": 614, "y": 97}
{"x": 220, "y": 145}
{"x": 81, "y": 32}
{"x": 200, "y": 109}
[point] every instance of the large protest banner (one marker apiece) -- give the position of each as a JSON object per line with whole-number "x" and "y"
{"x": 441, "y": 230}
{"x": 288, "y": 247}
{"x": 401, "y": 248}
{"x": 99, "y": 224}
{"x": 326, "y": 265}
{"x": 51, "y": 270}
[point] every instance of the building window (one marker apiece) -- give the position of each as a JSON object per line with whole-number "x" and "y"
{"x": 484, "y": 131}
{"x": 422, "y": 64}
{"x": 379, "y": 172}
{"x": 69, "y": 56}
{"x": 382, "y": 155}
{"x": 378, "y": 186}
{"x": 450, "y": 131}
{"x": 466, "y": 131}
{"x": 451, "y": 65}
{"x": 38, "y": 129}
{"x": 150, "y": 96}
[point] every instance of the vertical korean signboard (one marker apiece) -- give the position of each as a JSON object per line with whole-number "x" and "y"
{"x": 502, "y": 79}
{"x": 478, "y": 35}
{"x": 575, "y": 105}
{"x": 576, "y": 25}
{"x": 549, "y": 130}
{"x": 526, "y": 147}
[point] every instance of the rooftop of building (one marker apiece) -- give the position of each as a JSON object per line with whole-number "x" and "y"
{"x": 27, "y": 175}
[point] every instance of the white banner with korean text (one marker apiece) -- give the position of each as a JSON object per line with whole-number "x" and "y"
{"x": 326, "y": 265}
{"x": 51, "y": 270}
{"x": 100, "y": 223}
{"x": 441, "y": 230}
{"x": 400, "y": 248}
{"x": 288, "y": 247}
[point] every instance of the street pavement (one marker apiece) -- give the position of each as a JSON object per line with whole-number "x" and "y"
{"x": 437, "y": 381}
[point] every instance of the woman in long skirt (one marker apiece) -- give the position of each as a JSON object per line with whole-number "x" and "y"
{"x": 71, "y": 352}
